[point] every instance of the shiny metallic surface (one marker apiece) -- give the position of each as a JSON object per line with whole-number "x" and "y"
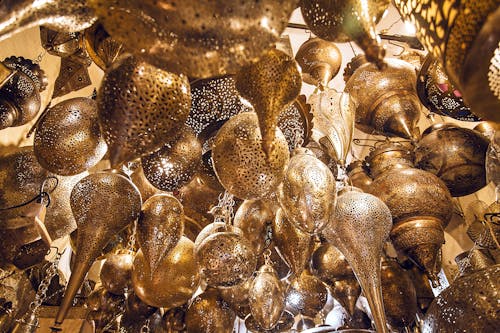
{"x": 359, "y": 175}
{"x": 266, "y": 297}
{"x": 464, "y": 37}
{"x": 159, "y": 228}
{"x": 456, "y": 155}
{"x": 241, "y": 164}
{"x": 306, "y": 295}
{"x": 103, "y": 204}
{"x": 225, "y": 259}
{"x": 270, "y": 85}
{"x": 143, "y": 185}
{"x": 174, "y": 164}
{"x": 319, "y": 60}
{"x": 387, "y": 99}
{"x": 285, "y": 324}
{"x": 343, "y": 20}
{"x": 68, "y": 139}
{"x": 131, "y": 126}
{"x": 296, "y": 122}
{"x": 201, "y": 39}
{"x": 294, "y": 245}
{"x": 398, "y": 292}
{"x": 473, "y": 260}
{"x": 470, "y": 303}
{"x": 209, "y": 313}
{"x": 135, "y": 308}
{"x": 361, "y": 219}
{"x": 438, "y": 94}
{"x": 389, "y": 155}
{"x": 102, "y": 49}
{"x": 492, "y": 162}
{"x": 237, "y": 298}
{"x": 59, "y": 15}
{"x": 308, "y": 193}
{"x": 60, "y": 44}
{"x": 175, "y": 280}
{"x": 116, "y": 272}
{"x": 253, "y": 218}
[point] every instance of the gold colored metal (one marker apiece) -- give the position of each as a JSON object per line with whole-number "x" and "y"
{"x": 266, "y": 297}
{"x": 294, "y": 245}
{"x": 359, "y": 176}
{"x": 102, "y": 49}
{"x": 387, "y": 102}
{"x": 201, "y": 39}
{"x": 59, "y": 43}
{"x": 68, "y": 139}
{"x": 116, "y": 272}
{"x": 135, "y": 308}
{"x": 214, "y": 228}
{"x": 438, "y": 94}
{"x": 334, "y": 121}
{"x": 225, "y": 259}
{"x": 59, "y": 15}
{"x": 253, "y": 217}
{"x": 241, "y": 165}
{"x": 390, "y": 155}
{"x": 400, "y": 297}
{"x": 492, "y": 162}
{"x": 140, "y": 108}
{"x": 421, "y": 208}
{"x": 285, "y": 324}
{"x": 5, "y": 74}
{"x": 209, "y": 313}
{"x": 296, "y": 122}
{"x": 159, "y": 228}
{"x": 319, "y": 60}
{"x": 343, "y": 20}
{"x": 279, "y": 265}
{"x": 473, "y": 260}
{"x": 103, "y": 204}
{"x": 359, "y": 228}
{"x": 487, "y": 128}
{"x": 237, "y": 298}
{"x": 456, "y": 155}
{"x": 20, "y": 94}
{"x": 73, "y": 75}
{"x": 306, "y": 295}
{"x": 469, "y": 304}
{"x": 174, "y": 164}
{"x": 270, "y": 85}
{"x": 308, "y": 193}
{"x": 175, "y": 280}
{"x": 465, "y": 37}
{"x": 143, "y": 185}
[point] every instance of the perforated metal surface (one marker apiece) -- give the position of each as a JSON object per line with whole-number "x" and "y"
{"x": 270, "y": 85}
{"x": 306, "y": 295}
{"x": 173, "y": 165}
{"x": 102, "y": 49}
{"x": 209, "y": 313}
{"x": 225, "y": 259}
{"x": 240, "y": 162}
{"x": 201, "y": 39}
{"x": 68, "y": 139}
{"x": 140, "y": 108}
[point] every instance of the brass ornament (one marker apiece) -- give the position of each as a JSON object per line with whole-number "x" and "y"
{"x": 362, "y": 216}
{"x": 270, "y": 85}
{"x": 464, "y": 37}
{"x": 473, "y": 260}
{"x": 319, "y": 60}
{"x": 400, "y": 297}
{"x": 334, "y": 122}
{"x": 131, "y": 126}
{"x": 73, "y": 75}
{"x": 143, "y": 185}
{"x": 492, "y": 162}
{"x": 456, "y": 155}
{"x": 174, "y": 164}
{"x": 296, "y": 122}
{"x": 59, "y": 15}
{"x": 68, "y": 139}
{"x": 135, "y": 308}
{"x": 294, "y": 245}
{"x": 278, "y": 263}
{"x": 102, "y": 49}
{"x": 253, "y": 218}
{"x": 468, "y": 304}
{"x": 202, "y": 39}
{"x": 20, "y": 94}
{"x": 266, "y": 297}
{"x": 308, "y": 193}
{"x": 173, "y": 283}
{"x": 225, "y": 259}
{"x": 159, "y": 228}
{"x": 213, "y": 228}
{"x": 438, "y": 94}
{"x": 116, "y": 272}
{"x": 175, "y": 319}
{"x": 241, "y": 164}
{"x": 103, "y": 204}
{"x": 237, "y": 298}
{"x": 330, "y": 266}
{"x": 344, "y": 20}
{"x": 306, "y": 295}
{"x": 285, "y": 324}
{"x": 359, "y": 176}
{"x": 209, "y": 313}
{"x": 389, "y": 155}
{"x": 59, "y": 43}
{"x": 387, "y": 102}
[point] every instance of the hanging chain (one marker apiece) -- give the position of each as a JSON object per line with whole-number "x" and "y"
{"x": 298, "y": 136}
{"x": 267, "y": 257}
{"x": 131, "y": 238}
{"x": 224, "y": 211}
{"x": 145, "y": 327}
{"x": 39, "y": 58}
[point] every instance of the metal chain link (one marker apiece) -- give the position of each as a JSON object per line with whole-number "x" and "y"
{"x": 132, "y": 239}
{"x": 145, "y": 327}
{"x": 224, "y": 211}
{"x": 41, "y": 293}
{"x": 39, "y": 58}
{"x": 298, "y": 137}
{"x": 267, "y": 257}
